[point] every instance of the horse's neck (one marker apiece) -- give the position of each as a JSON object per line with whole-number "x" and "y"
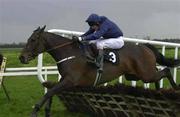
{"x": 54, "y": 39}
{"x": 59, "y": 53}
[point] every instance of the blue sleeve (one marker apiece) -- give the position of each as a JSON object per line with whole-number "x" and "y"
{"x": 90, "y": 31}
{"x": 98, "y": 34}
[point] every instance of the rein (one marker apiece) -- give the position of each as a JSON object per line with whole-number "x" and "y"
{"x": 59, "y": 46}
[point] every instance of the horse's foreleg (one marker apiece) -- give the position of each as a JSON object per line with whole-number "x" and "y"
{"x": 51, "y": 92}
{"x": 48, "y": 107}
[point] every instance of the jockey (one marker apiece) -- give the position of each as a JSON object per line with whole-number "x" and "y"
{"x": 104, "y": 33}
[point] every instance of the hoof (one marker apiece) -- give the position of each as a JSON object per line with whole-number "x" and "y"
{"x": 177, "y": 91}
{"x": 34, "y": 115}
{"x": 35, "y": 110}
{"x": 177, "y": 88}
{"x": 47, "y": 115}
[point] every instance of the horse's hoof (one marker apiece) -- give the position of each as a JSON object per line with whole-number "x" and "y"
{"x": 177, "y": 88}
{"x": 33, "y": 115}
{"x": 177, "y": 91}
{"x": 47, "y": 115}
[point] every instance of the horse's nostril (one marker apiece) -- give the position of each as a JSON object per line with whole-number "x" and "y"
{"x": 22, "y": 59}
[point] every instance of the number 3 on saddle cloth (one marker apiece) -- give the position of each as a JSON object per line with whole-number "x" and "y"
{"x": 112, "y": 56}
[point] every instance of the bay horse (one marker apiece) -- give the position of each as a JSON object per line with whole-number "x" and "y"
{"x": 136, "y": 62}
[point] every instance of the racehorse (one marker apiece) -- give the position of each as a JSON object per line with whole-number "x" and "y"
{"x": 136, "y": 62}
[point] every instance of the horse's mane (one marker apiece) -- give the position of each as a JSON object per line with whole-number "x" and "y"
{"x": 56, "y": 36}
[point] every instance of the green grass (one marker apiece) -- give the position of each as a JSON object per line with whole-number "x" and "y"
{"x": 25, "y": 91}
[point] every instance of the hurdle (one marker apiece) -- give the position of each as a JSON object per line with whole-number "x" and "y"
{"x": 2, "y": 70}
{"x": 122, "y": 101}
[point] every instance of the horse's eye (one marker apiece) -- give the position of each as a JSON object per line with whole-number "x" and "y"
{"x": 37, "y": 36}
{"x": 32, "y": 40}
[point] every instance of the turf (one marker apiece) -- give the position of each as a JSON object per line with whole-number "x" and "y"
{"x": 24, "y": 93}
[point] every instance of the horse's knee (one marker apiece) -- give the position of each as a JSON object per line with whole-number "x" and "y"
{"x": 49, "y": 84}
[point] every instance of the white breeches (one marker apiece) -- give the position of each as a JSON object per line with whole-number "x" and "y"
{"x": 112, "y": 43}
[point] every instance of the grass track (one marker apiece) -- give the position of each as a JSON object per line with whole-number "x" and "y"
{"x": 24, "y": 93}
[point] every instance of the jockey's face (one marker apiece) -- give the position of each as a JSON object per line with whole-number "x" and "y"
{"x": 95, "y": 27}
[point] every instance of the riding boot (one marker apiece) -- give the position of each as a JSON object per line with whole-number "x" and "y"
{"x": 99, "y": 60}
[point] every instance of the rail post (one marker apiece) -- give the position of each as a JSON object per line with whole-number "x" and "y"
{"x": 2, "y": 69}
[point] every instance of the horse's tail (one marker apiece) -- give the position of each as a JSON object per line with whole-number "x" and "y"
{"x": 162, "y": 60}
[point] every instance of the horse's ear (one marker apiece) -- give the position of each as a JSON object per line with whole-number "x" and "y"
{"x": 42, "y": 29}
{"x": 37, "y": 29}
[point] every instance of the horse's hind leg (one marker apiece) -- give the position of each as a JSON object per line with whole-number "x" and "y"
{"x": 157, "y": 86}
{"x": 170, "y": 78}
{"x": 164, "y": 73}
{"x": 48, "y": 107}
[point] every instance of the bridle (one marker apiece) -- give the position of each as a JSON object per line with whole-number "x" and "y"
{"x": 59, "y": 46}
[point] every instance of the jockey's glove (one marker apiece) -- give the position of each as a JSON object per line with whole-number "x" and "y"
{"x": 76, "y": 38}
